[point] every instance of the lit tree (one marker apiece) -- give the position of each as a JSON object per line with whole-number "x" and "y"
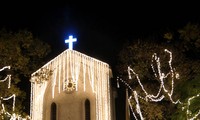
{"x": 142, "y": 67}
{"x": 7, "y": 104}
{"x": 189, "y": 44}
{"x": 24, "y": 54}
{"x": 138, "y": 54}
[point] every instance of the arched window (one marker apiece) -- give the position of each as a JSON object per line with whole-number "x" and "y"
{"x": 53, "y": 111}
{"x": 87, "y": 109}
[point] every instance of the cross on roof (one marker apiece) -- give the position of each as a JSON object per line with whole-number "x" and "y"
{"x": 70, "y": 41}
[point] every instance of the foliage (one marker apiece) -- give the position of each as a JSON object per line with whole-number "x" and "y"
{"x": 24, "y": 54}
{"x": 185, "y": 47}
{"x": 190, "y": 36}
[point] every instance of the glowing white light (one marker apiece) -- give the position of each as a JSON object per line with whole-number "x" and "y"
{"x": 3, "y": 111}
{"x": 189, "y": 116}
{"x": 6, "y": 67}
{"x": 70, "y": 41}
{"x": 68, "y": 66}
{"x": 161, "y": 76}
{"x": 8, "y": 77}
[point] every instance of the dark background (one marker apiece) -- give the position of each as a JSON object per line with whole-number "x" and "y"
{"x": 101, "y": 28}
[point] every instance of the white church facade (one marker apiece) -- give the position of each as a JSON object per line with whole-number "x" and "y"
{"x": 72, "y": 86}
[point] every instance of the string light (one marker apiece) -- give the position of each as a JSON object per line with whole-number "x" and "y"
{"x": 158, "y": 97}
{"x": 189, "y": 113}
{"x": 6, "y": 67}
{"x": 3, "y": 110}
{"x": 97, "y": 73}
{"x": 8, "y": 77}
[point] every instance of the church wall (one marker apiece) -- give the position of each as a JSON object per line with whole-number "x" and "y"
{"x": 92, "y": 79}
{"x": 70, "y": 106}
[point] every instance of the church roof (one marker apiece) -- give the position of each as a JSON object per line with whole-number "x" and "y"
{"x": 70, "y": 52}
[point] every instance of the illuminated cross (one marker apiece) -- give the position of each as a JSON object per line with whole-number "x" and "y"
{"x": 70, "y": 41}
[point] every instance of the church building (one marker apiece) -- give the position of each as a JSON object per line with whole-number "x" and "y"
{"x": 72, "y": 86}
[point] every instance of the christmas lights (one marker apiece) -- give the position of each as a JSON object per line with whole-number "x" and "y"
{"x": 67, "y": 68}
{"x": 161, "y": 77}
{"x": 8, "y": 77}
{"x": 6, "y": 67}
{"x": 188, "y": 112}
{"x": 3, "y": 111}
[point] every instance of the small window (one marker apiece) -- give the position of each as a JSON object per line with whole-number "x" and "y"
{"x": 53, "y": 111}
{"x": 87, "y": 109}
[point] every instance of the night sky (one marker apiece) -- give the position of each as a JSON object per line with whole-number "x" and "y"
{"x": 100, "y": 28}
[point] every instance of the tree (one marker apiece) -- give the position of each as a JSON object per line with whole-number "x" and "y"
{"x": 189, "y": 37}
{"x": 190, "y": 40}
{"x": 138, "y": 55}
{"x": 24, "y": 54}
